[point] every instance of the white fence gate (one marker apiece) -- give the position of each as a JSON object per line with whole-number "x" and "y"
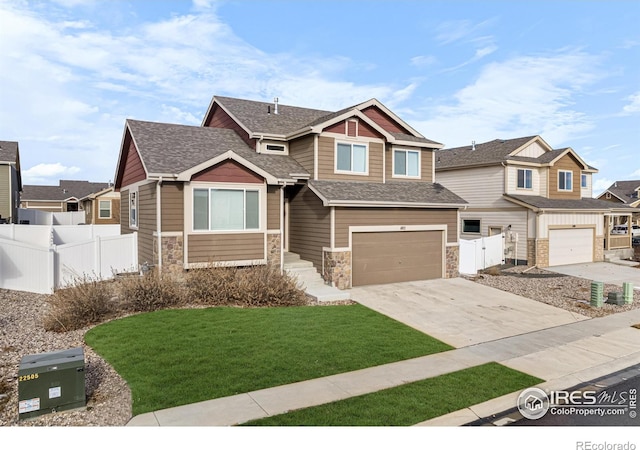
{"x": 481, "y": 253}
{"x": 42, "y": 269}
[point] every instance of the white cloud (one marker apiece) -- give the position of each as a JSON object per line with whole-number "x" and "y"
{"x": 634, "y": 105}
{"x": 519, "y": 97}
{"x": 423, "y": 60}
{"x": 458, "y": 30}
{"x": 47, "y": 173}
{"x": 636, "y": 173}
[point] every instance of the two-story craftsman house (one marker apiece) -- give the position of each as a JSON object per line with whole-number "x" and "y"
{"x": 351, "y": 191}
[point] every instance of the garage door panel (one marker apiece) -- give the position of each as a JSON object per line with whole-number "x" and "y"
{"x": 570, "y": 246}
{"x": 387, "y": 257}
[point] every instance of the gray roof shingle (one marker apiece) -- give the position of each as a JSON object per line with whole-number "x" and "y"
{"x": 172, "y": 149}
{"x": 625, "y": 190}
{"x": 492, "y": 152}
{"x": 66, "y": 189}
{"x": 577, "y": 204}
{"x": 8, "y": 151}
{"x": 385, "y": 193}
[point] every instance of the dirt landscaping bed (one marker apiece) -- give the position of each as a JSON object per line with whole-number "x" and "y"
{"x": 563, "y": 291}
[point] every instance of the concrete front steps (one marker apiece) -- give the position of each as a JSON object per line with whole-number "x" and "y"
{"x": 311, "y": 281}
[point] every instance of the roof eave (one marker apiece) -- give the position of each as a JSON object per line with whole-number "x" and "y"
{"x": 381, "y": 204}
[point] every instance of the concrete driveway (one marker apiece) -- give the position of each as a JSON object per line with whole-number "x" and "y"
{"x": 601, "y": 271}
{"x": 461, "y": 312}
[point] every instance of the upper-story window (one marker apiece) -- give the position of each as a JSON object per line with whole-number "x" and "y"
{"x": 565, "y": 182}
{"x": 406, "y": 163}
{"x": 583, "y": 180}
{"x": 524, "y": 178}
{"x": 351, "y": 158}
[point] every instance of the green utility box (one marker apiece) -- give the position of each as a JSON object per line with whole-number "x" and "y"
{"x": 49, "y": 382}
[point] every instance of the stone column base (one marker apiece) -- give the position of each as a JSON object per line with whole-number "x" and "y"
{"x": 453, "y": 262}
{"x": 542, "y": 253}
{"x": 337, "y": 269}
{"x": 274, "y": 254}
{"x": 172, "y": 254}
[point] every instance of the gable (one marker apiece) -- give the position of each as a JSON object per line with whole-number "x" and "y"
{"x": 353, "y": 127}
{"x": 383, "y": 120}
{"x": 219, "y": 118}
{"x": 228, "y": 171}
{"x": 133, "y": 169}
{"x": 532, "y": 150}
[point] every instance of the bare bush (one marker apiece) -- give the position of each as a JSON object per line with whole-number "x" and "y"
{"x": 87, "y": 301}
{"x": 149, "y": 292}
{"x": 262, "y": 285}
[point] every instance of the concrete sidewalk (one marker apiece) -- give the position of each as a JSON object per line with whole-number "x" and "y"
{"x": 564, "y": 355}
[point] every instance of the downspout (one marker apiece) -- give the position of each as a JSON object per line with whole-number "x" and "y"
{"x": 159, "y": 222}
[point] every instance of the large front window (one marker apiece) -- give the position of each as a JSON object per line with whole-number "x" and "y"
{"x": 351, "y": 158}
{"x": 226, "y": 209}
{"x": 406, "y": 163}
{"x": 564, "y": 180}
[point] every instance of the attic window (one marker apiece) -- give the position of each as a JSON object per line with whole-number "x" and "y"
{"x": 275, "y": 148}
{"x": 278, "y": 148}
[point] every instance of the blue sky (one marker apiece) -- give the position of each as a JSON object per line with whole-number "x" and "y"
{"x": 72, "y": 71}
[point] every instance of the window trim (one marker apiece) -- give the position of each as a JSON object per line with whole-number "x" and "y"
{"x": 393, "y": 164}
{"x": 262, "y": 199}
{"x": 564, "y": 188}
{"x": 530, "y": 187}
{"x": 351, "y": 172}
{"x": 134, "y": 223}
{"x": 262, "y": 147}
{"x": 101, "y": 209}
{"x": 472, "y": 232}
{"x": 583, "y": 181}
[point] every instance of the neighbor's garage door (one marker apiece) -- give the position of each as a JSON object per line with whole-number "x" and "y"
{"x": 390, "y": 257}
{"x": 570, "y": 246}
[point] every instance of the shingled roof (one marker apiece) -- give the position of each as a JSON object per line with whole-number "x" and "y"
{"x": 8, "y": 151}
{"x": 170, "y": 149}
{"x": 492, "y": 152}
{"x": 406, "y": 194}
{"x": 66, "y": 189}
{"x": 538, "y": 202}
{"x": 625, "y": 190}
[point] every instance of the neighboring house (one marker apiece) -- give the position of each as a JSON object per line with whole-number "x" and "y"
{"x": 64, "y": 197}
{"x": 351, "y": 191}
{"x": 539, "y": 197}
{"x": 102, "y": 208}
{"x": 10, "y": 181}
{"x": 626, "y": 193}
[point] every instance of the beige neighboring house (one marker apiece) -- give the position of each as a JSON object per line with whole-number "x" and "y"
{"x": 10, "y": 181}
{"x": 102, "y": 208}
{"x": 351, "y": 191}
{"x": 62, "y": 198}
{"x": 540, "y": 197}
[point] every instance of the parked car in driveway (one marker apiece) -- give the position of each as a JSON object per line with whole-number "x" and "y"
{"x": 624, "y": 229}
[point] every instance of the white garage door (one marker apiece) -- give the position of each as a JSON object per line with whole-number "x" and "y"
{"x": 570, "y": 246}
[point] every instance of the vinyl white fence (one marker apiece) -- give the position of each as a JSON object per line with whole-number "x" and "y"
{"x": 46, "y": 235}
{"x": 42, "y": 269}
{"x": 481, "y": 253}
{"x": 36, "y": 217}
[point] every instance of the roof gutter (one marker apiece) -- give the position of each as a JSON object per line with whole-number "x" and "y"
{"x": 382, "y": 204}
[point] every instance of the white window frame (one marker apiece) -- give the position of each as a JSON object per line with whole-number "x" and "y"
{"x": 472, "y": 232}
{"x": 134, "y": 202}
{"x": 564, "y": 188}
{"x": 406, "y": 168}
{"x": 584, "y": 184}
{"x": 263, "y": 148}
{"x": 524, "y": 179}
{"x": 351, "y": 172}
{"x": 259, "y": 188}
{"x": 101, "y": 209}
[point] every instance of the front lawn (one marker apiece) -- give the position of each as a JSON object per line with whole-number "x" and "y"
{"x": 176, "y": 357}
{"x": 414, "y": 402}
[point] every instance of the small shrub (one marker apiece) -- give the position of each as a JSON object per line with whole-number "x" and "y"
{"x": 87, "y": 301}
{"x": 149, "y": 292}
{"x": 494, "y": 271}
{"x": 262, "y": 285}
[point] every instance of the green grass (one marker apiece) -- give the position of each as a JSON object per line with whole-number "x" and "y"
{"x": 412, "y": 403}
{"x": 175, "y": 357}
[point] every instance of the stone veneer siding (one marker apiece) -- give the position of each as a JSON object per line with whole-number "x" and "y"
{"x": 531, "y": 252}
{"x": 274, "y": 255}
{"x": 337, "y": 269}
{"x": 542, "y": 253}
{"x": 453, "y": 262}
{"x": 599, "y": 253}
{"x": 172, "y": 254}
